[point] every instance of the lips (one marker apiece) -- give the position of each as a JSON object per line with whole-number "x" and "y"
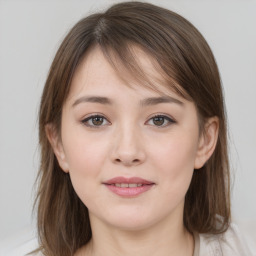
{"x": 132, "y": 180}
{"x": 128, "y": 187}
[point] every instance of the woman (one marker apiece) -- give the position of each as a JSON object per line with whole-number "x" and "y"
{"x": 133, "y": 141}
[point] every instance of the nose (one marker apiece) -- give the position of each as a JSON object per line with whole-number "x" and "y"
{"x": 128, "y": 147}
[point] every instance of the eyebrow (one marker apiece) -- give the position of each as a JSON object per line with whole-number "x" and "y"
{"x": 157, "y": 100}
{"x": 93, "y": 99}
{"x": 145, "y": 102}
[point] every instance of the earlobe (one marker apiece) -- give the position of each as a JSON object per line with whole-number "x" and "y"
{"x": 55, "y": 141}
{"x": 207, "y": 142}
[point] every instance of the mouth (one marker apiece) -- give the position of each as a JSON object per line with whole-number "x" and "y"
{"x": 128, "y": 187}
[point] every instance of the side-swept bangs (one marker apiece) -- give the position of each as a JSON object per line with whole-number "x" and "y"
{"x": 186, "y": 66}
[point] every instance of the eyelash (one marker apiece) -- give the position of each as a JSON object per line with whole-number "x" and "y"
{"x": 87, "y": 119}
{"x": 166, "y": 118}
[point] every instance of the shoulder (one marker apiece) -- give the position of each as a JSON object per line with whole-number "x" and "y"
{"x": 230, "y": 243}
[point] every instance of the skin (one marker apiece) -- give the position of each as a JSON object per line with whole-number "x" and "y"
{"x": 129, "y": 142}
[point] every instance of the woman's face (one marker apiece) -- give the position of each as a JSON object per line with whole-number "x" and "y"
{"x": 130, "y": 152}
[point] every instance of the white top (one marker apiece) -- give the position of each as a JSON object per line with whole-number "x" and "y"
{"x": 230, "y": 243}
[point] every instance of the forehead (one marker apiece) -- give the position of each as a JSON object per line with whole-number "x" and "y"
{"x": 141, "y": 71}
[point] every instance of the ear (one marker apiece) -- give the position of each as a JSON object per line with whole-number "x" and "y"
{"x": 207, "y": 142}
{"x": 57, "y": 146}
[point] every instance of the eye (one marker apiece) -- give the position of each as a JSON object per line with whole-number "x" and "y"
{"x": 95, "y": 121}
{"x": 161, "y": 121}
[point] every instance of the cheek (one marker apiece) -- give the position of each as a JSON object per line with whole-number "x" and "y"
{"x": 175, "y": 162}
{"x": 82, "y": 148}
{"x": 177, "y": 151}
{"x": 86, "y": 159}
{"x": 85, "y": 156}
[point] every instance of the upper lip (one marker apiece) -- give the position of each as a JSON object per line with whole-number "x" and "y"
{"x": 131, "y": 180}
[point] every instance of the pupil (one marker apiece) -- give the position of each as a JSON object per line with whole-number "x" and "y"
{"x": 97, "y": 120}
{"x": 158, "y": 120}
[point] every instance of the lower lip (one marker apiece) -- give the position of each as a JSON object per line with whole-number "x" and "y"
{"x": 129, "y": 192}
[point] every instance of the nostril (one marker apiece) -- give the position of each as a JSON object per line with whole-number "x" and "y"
{"x": 127, "y": 162}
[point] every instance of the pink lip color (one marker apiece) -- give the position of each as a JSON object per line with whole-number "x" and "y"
{"x": 128, "y": 192}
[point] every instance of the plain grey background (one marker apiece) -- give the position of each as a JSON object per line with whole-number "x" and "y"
{"x": 30, "y": 33}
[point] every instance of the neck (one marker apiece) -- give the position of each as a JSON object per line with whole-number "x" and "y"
{"x": 158, "y": 240}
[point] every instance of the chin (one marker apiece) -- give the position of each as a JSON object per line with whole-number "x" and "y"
{"x": 130, "y": 220}
{"x": 131, "y": 225}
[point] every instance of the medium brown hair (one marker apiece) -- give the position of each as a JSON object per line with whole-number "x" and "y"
{"x": 188, "y": 67}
